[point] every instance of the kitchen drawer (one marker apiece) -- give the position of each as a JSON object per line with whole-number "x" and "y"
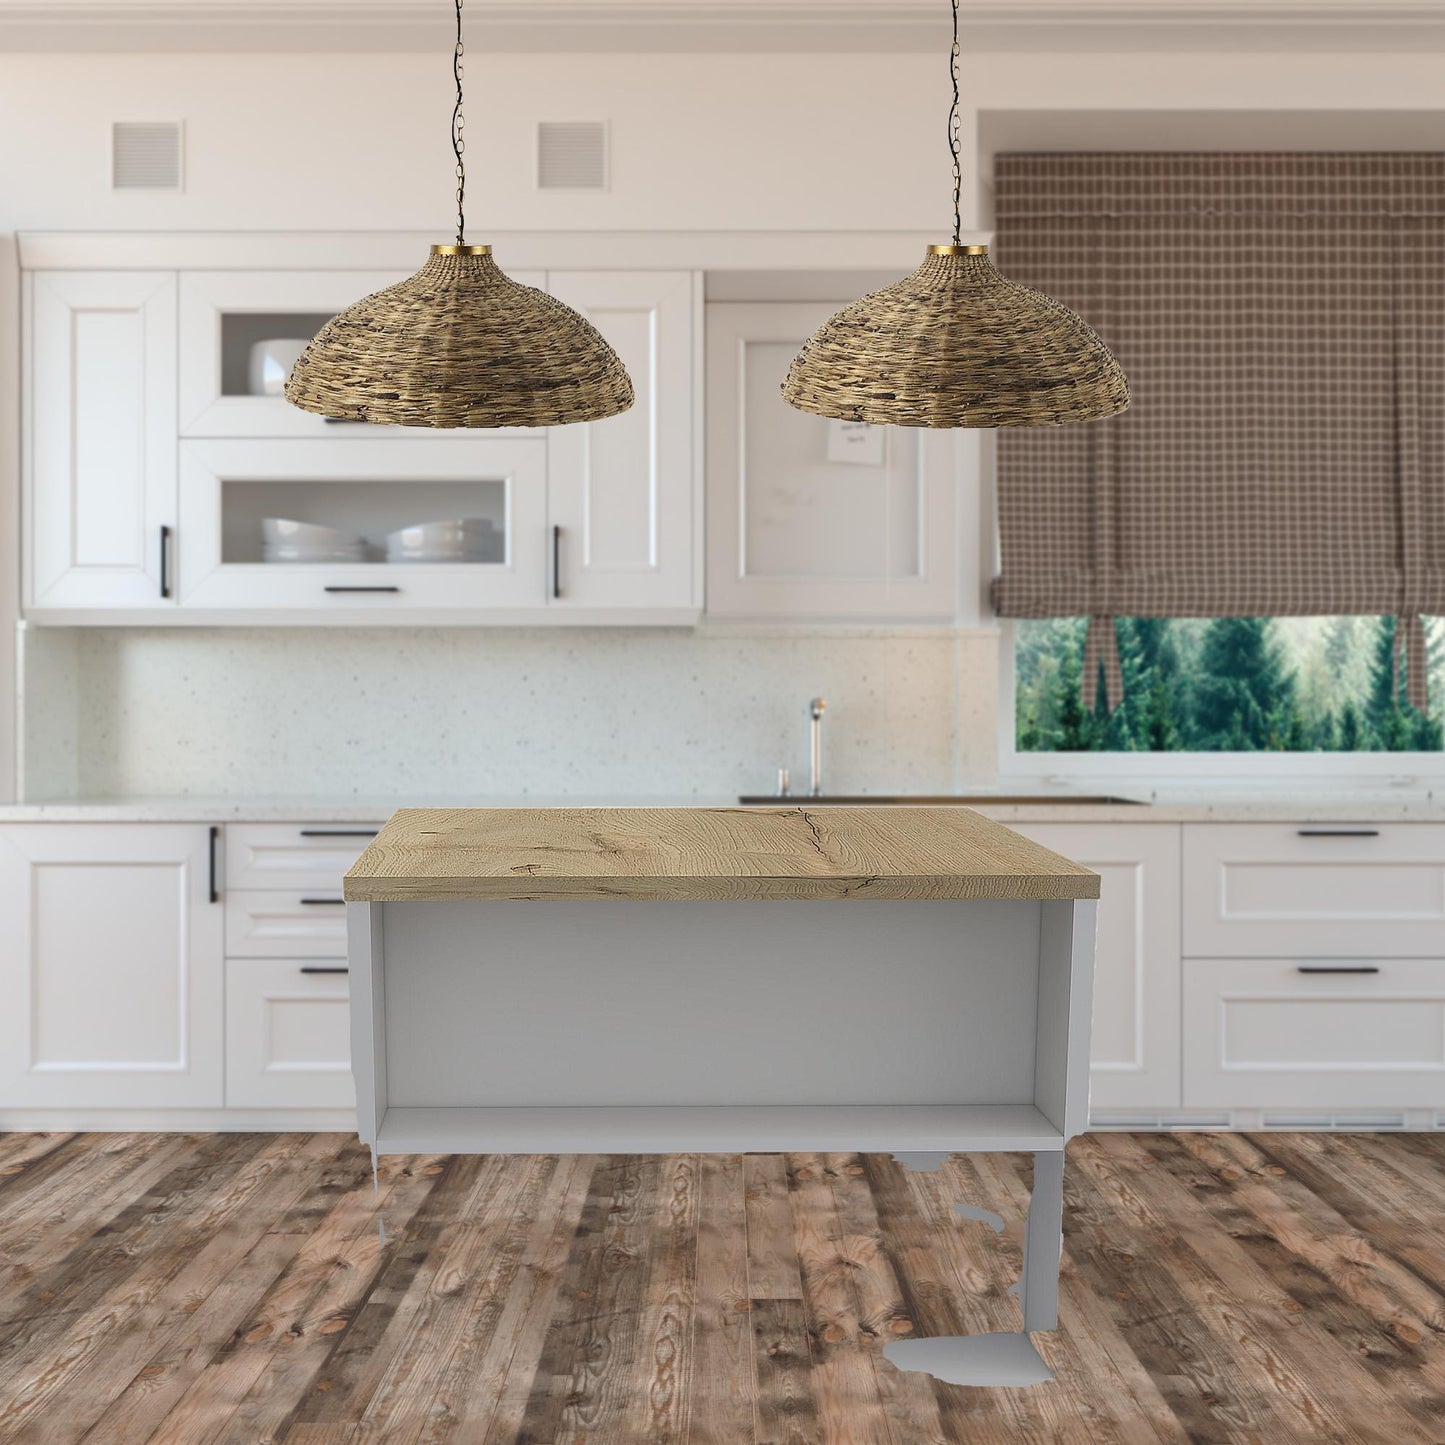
{"x": 294, "y": 856}
{"x": 263, "y": 924}
{"x": 1259, "y": 1033}
{"x": 1341, "y": 890}
{"x": 288, "y": 1035}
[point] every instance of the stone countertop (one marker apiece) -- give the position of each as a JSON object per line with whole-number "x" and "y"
{"x": 1265, "y": 808}
{"x": 348, "y": 809}
{"x": 1302, "y": 805}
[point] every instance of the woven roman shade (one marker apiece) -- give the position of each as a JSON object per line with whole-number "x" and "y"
{"x": 1282, "y": 322}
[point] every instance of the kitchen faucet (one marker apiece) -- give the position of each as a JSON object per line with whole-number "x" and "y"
{"x": 815, "y": 713}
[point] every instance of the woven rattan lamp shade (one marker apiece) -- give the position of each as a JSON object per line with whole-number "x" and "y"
{"x": 956, "y": 345}
{"x": 460, "y": 344}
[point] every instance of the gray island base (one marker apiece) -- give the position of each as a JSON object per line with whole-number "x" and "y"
{"x": 675, "y": 981}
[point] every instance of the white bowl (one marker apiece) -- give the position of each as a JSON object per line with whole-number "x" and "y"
{"x": 283, "y": 553}
{"x": 467, "y": 539}
{"x": 271, "y": 363}
{"x": 282, "y": 530}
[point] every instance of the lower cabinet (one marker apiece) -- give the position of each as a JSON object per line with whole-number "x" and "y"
{"x": 134, "y": 979}
{"x": 288, "y": 1034}
{"x": 288, "y": 1011}
{"x": 111, "y": 967}
{"x": 169, "y": 967}
{"x": 1136, "y": 962}
{"x": 1265, "y": 1033}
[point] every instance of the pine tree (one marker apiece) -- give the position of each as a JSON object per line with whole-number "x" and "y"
{"x": 1243, "y": 696}
{"x": 1384, "y": 696}
{"x": 1396, "y": 725}
{"x": 1352, "y": 733}
{"x": 1326, "y": 732}
{"x": 1342, "y": 649}
{"x": 1077, "y": 730}
{"x": 1152, "y": 707}
{"x": 1028, "y": 731}
{"x": 1297, "y": 737}
{"x": 1048, "y": 657}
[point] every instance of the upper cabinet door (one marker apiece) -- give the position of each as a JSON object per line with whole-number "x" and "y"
{"x": 239, "y": 332}
{"x": 101, "y": 452}
{"x": 486, "y": 496}
{"x": 625, "y": 493}
{"x": 810, "y": 518}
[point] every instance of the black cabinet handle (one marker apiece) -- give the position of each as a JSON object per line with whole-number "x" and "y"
{"x": 1337, "y": 968}
{"x": 165, "y": 561}
{"x": 1338, "y": 832}
{"x": 556, "y": 562}
{"x": 323, "y": 902}
{"x": 339, "y": 832}
{"x": 215, "y": 887}
{"x": 363, "y": 589}
{"x": 311, "y": 969}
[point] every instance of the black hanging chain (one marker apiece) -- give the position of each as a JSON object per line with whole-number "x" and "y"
{"x": 459, "y": 143}
{"x": 955, "y": 139}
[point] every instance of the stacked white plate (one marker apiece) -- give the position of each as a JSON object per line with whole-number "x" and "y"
{"x": 287, "y": 541}
{"x": 469, "y": 539}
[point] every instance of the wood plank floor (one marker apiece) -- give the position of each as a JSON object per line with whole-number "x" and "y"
{"x": 198, "y": 1288}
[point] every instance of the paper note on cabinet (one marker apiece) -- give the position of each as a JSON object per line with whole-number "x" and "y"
{"x": 856, "y": 442}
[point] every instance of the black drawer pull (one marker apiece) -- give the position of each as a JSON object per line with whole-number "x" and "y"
{"x": 363, "y": 589}
{"x": 312, "y": 968}
{"x": 215, "y": 885}
{"x": 1338, "y": 968}
{"x": 339, "y": 832}
{"x": 323, "y": 902}
{"x": 1339, "y": 832}
{"x": 165, "y": 561}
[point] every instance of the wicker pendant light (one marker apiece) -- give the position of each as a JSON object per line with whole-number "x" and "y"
{"x": 956, "y": 345}
{"x": 460, "y": 344}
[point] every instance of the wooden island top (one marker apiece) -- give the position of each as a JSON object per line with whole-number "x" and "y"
{"x": 786, "y": 852}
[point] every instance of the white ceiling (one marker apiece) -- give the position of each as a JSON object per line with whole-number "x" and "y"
{"x": 631, "y": 25}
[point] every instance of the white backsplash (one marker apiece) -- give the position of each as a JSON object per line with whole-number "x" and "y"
{"x": 441, "y": 712}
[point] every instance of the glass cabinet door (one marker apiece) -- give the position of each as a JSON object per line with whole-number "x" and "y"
{"x": 240, "y": 332}
{"x": 445, "y": 524}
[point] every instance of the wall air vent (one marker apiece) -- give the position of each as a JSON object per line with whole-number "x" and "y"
{"x": 572, "y": 155}
{"x": 145, "y": 155}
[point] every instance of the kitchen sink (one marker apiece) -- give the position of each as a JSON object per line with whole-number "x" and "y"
{"x": 933, "y": 800}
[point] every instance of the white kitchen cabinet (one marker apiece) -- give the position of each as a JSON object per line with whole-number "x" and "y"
{"x": 812, "y": 519}
{"x": 288, "y": 1034}
{"x": 304, "y": 859}
{"x": 624, "y": 493}
{"x": 309, "y": 923}
{"x": 112, "y": 967}
{"x": 1135, "y": 1057}
{"x": 1302, "y": 1034}
{"x": 224, "y": 313}
{"x": 100, "y": 440}
{"x": 1332, "y": 890}
{"x": 151, "y": 462}
{"x": 228, "y": 487}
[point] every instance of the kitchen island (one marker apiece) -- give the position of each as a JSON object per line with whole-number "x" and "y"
{"x": 663, "y": 980}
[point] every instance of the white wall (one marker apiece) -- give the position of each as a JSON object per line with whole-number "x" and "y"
{"x": 745, "y": 142}
{"x": 732, "y": 142}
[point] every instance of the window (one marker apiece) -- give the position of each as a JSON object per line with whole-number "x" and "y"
{"x": 1227, "y": 685}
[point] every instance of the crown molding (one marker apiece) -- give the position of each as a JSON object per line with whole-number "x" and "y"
{"x": 722, "y": 25}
